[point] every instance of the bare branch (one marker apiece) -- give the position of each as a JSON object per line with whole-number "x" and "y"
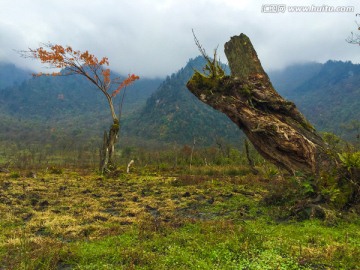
{"x": 354, "y": 38}
{"x": 200, "y": 47}
{"x": 213, "y": 68}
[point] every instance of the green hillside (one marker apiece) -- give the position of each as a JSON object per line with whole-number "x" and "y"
{"x": 330, "y": 99}
{"x": 292, "y": 77}
{"x": 173, "y": 114}
{"x": 62, "y": 110}
{"x": 11, "y": 75}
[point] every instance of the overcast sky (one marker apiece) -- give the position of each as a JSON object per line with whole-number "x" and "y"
{"x": 153, "y": 37}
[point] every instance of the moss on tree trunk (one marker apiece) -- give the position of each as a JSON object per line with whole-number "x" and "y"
{"x": 107, "y": 151}
{"x": 276, "y": 128}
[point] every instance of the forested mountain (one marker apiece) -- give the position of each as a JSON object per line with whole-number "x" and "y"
{"x": 173, "y": 114}
{"x": 327, "y": 94}
{"x": 68, "y": 110}
{"x": 290, "y": 78}
{"x": 10, "y": 75}
{"x": 65, "y": 108}
{"x": 329, "y": 97}
{"x": 62, "y": 96}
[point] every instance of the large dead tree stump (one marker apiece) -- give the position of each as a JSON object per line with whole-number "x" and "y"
{"x": 276, "y": 128}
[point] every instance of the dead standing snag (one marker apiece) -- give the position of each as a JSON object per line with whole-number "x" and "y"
{"x": 276, "y": 128}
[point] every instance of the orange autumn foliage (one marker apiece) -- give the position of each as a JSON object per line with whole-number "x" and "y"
{"x": 77, "y": 62}
{"x": 129, "y": 80}
{"x": 73, "y": 62}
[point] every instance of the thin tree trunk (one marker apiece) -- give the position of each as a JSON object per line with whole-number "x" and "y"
{"x": 107, "y": 151}
{"x": 275, "y": 127}
{"x": 104, "y": 154}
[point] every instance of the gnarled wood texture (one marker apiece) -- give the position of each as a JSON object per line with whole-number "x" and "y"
{"x": 276, "y": 128}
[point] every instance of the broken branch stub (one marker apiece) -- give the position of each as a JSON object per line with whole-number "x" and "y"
{"x": 275, "y": 127}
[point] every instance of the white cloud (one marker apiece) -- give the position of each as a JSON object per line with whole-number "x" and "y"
{"x": 154, "y": 38}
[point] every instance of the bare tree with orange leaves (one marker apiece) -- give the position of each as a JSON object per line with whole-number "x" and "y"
{"x": 73, "y": 62}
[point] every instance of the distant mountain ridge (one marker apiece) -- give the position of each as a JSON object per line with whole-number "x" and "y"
{"x": 70, "y": 106}
{"x": 11, "y": 74}
{"x": 329, "y": 96}
{"x": 173, "y": 114}
{"x": 164, "y": 110}
{"x": 288, "y": 79}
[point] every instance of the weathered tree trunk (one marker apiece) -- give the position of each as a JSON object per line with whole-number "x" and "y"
{"x": 107, "y": 151}
{"x": 274, "y": 125}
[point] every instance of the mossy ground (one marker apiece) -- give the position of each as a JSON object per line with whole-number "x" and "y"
{"x": 210, "y": 219}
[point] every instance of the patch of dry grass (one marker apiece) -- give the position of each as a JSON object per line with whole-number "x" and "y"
{"x": 42, "y": 219}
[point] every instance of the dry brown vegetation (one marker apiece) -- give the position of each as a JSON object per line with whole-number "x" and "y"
{"x": 48, "y": 218}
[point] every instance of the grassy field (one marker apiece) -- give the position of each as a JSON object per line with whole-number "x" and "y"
{"x": 209, "y": 219}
